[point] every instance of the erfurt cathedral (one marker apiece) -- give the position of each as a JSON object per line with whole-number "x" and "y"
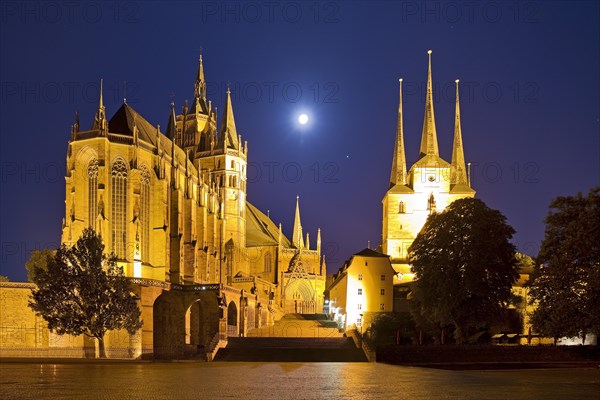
{"x": 172, "y": 206}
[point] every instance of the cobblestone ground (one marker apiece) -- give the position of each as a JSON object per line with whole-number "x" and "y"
{"x": 287, "y": 381}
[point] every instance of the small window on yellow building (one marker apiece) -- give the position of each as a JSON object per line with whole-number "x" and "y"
{"x": 383, "y": 277}
{"x": 382, "y": 307}
{"x": 360, "y": 277}
{"x": 359, "y": 306}
{"x": 382, "y": 292}
{"x": 360, "y": 291}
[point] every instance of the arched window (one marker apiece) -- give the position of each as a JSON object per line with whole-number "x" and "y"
{"x": 401, "y": 207}
{"x": 119, "y": 208}
{"x": 268, "y": 262}
{"x": 145, "y": 213}
{"x": 92, "y": 193}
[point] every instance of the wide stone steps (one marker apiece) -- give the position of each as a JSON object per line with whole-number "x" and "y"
{"x": 291, "y": 350}
{"x": 289, "y": 343}
{"x": 299, "y": 325}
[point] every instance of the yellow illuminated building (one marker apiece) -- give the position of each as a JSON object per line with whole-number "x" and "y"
{"x": 430, "y": 185}
{"x": 362, "y": 289}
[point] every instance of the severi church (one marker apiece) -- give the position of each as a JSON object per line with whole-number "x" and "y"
{"x": 430, "y": 185}
{"x": 173, "y": 208}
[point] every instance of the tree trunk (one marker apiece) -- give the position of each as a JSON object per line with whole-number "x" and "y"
{"x": 458, "y": 334}
{"x": 101, "y": 349}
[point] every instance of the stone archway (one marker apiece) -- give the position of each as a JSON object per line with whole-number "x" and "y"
{"x": 168, "y": 327}
{"x": 299, "y": 297}
{"x": 232, "y": 319}
{"x": 184, "y": 324}
{"x": 196, "y": 330}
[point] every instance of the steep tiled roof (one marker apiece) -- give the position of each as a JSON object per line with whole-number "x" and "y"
{"x": 370, "y": 253}
{"x": 260, "y": 230}
{"x": 123, "y": 120}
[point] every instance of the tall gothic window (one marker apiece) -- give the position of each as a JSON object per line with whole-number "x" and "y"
{"x": 93, "y": 193}
{"x": 145, "y": 213}
{"x": 119, "y": 208}
{"x": 268, "y": 262}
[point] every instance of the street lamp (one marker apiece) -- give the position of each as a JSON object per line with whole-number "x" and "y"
{"x": 361, "y": 324}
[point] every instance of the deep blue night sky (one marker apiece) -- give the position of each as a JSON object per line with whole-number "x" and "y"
{"x": 529, "y": 101}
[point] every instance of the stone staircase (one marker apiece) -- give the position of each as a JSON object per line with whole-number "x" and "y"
{"x": 299, "y": 325}
{"x": 294, "y": 338}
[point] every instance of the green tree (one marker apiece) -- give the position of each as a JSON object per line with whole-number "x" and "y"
{"x": 566, "y": 280}
{"x": 391, "y": 328}
{"x": 464, "y": 265}
{"x": 39, "y": 259}
{"x": 82, "y": 291}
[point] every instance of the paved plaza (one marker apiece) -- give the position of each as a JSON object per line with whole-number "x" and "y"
{"x": 290, "y": 381}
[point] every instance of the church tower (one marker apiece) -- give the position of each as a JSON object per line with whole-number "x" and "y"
{"x": 196, "y": 122}
{"x": 429, "y": 186}
{"x": 222, "y": 160}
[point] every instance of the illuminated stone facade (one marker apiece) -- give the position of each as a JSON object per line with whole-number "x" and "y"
{"x": 430, "y": 185}
{"x": 362, "y": 289}
{"x": 172, "y": 207}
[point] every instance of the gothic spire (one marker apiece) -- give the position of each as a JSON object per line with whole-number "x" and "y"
{"x": 319, "y": 241}
{"x": 171, "y": 126}
{"x": 398, "y": 176}
{"x": 297, "y": 239}
{"x": 429, "y": 143}
{"x": 200, "y": 84}
{"x": 100, "y": 118}
{"x": 228, "y": 136}
{"x": 458, "y": 155}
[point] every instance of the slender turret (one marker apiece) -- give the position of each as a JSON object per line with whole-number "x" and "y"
{"x": 297, "y": 239}
{"x": 429, "y": 143}
{"x": 100, "y": 118}
{"x": 459, "y": 173}
{"x": 398, "y": 176}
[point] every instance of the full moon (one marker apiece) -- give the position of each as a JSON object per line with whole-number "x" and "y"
{"x": 303, "y": 119}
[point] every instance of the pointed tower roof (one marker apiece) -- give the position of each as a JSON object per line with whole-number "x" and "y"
{"x": 199, "y": 104}
{"x": 398, "y": 176}
{"x": 100, "y": 118}
{"x": 429, "y": 143}
{"x": 297, "y": 239}
{"x": 171, "y": 125}
{"x": 200, "y": 81}
{"x": 228, "y": 136}
{"x": 458, "y": 155}
{"x": 459, "y": 180}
